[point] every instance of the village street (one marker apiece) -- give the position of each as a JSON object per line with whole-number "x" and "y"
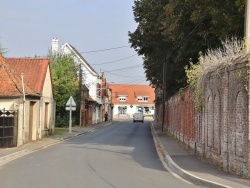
{"x": 120, "y": 155}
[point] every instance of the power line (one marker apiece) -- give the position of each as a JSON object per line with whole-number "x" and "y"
{"x": 131, "y": 67}
{"x": 115, "y": 60}
{"x": 124, "y": 76}
{"x": 186, "y": 38}
{"x": 105, "y": 49}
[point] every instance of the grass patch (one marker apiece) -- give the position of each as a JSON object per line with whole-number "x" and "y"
{"x": 60, "y": 131}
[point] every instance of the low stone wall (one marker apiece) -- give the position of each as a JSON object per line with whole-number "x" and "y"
{"x": 220, "y": 132}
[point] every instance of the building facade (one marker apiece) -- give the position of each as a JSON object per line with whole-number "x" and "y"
{"x": 95, "y": 83}
{"x": 131, "y": 98}
{"x": 26, "y": 91}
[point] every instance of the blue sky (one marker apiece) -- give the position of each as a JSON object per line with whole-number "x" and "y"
{"x": 28, "y": 26}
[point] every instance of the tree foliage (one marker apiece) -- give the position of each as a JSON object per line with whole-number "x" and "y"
{"x": 175, "y": 31}
{"x": 65, "y": 82}
{"x": 2, "y": 49}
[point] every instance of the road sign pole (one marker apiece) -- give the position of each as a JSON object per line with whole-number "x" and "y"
{"x": 71, "y": 106}
{"x": 70, "y": 115}
{"x": 70, "y": 120}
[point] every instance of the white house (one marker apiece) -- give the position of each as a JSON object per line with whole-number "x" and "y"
{"x": 90, "y": 77}
{"x": 131, "y": 98}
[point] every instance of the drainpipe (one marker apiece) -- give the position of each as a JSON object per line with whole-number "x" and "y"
{"x": 40, "y": 123}
{"x": 23, "y": 105}
{"x": 40, "y": 117}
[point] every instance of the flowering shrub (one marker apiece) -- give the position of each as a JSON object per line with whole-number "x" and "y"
{"x": 212, "y": 61}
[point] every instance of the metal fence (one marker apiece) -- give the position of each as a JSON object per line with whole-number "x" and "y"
{"x": 8, "y": 128}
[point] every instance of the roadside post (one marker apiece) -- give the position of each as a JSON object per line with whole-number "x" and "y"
{"x": 71, "y": 106}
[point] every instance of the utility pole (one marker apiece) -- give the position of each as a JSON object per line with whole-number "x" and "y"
{"x": 163, "y": 94}
{"x": 80, "y": 94}
{"x": 83, "y": 109}
{"x": 247, "y": 26}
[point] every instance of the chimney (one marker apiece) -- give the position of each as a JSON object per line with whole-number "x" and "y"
{"x": 55, "y": 45}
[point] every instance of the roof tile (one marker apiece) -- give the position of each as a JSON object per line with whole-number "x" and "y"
{"x": 132, "y": 91}
{"x": 34, "y": 70}
{"x": 11, "y": 82}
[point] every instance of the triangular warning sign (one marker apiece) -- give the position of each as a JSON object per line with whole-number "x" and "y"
{"x": 71, "y": 102}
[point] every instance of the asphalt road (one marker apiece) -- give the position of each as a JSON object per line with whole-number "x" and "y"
{"x": 122, "y": 155}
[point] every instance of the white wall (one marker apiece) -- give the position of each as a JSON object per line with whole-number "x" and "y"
{"x": 131, "y": 111}
{"x": 47, "y": 97}
{"x": 90, "y": 78}
{"x": 8, "y": 104}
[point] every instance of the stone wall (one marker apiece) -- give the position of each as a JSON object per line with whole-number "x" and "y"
{"x": 220, "y": 132}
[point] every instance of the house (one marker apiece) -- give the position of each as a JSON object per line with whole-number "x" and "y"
{"x": 131, "y": 98}
{"x": 26, "y": 91}
{"x": 91, "y": 79}
{"x": 106, "y": 94}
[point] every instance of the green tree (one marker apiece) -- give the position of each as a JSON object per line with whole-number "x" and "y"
{"x": 65, "y": 84}
{"x": 2, "y": 49}
{"x": 176, "y": 31}
{"x": 148, "y": 40}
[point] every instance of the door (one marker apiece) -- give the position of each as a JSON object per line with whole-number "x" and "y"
{"x": 31, "y": 120}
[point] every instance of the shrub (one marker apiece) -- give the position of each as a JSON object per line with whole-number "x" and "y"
{"x": 212, "y": 61}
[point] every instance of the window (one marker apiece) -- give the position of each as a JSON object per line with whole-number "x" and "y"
{"x": 122, "y": 109}
{"x": 143, "y": 99}
{"x": 46, "y": 116}
{"x": 122, "y": 98}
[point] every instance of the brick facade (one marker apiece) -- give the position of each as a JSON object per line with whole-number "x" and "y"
{"x": 220, "y": 133}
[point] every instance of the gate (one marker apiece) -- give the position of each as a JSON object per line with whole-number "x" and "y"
{"x": 8, "y": 128}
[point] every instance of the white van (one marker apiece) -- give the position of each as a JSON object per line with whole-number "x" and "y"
{"x": 138, "y": 117}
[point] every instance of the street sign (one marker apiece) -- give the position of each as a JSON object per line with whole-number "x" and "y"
{"x": 71, "y": 102}
{"x": 72, "y": 108}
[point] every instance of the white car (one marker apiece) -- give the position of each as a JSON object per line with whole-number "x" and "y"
{"x": 138, "y": 117}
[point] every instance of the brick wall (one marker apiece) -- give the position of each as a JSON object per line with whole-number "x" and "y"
{"x": 220, "y": 133}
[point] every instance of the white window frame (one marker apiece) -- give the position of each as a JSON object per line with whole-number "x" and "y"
{"x": 122, "y": 98}
{"x": 142, "y": 99}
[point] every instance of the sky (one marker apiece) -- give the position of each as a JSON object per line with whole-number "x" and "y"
{"x": 98, "y": 29}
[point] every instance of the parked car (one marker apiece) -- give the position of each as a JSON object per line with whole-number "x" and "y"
{"x": 138, "y": 117}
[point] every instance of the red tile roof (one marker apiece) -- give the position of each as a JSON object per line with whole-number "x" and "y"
{"x": 11, "y": 82}
{"x": 34, "y": 70}
{"x": 132, "y": 91}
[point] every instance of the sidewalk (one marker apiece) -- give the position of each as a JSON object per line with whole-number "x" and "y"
{"x": 189, "y": 167}
{"x": 8, "y": 154}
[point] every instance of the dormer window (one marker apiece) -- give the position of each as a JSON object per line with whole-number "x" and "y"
{"x": 143, "y": 99}
{"x": 123, "y": 98}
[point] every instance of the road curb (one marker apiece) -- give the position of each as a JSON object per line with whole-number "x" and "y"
{"x": 178, "y": 170}
{"x": 21, "y": 153}
{"x": 13, "y": 156}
